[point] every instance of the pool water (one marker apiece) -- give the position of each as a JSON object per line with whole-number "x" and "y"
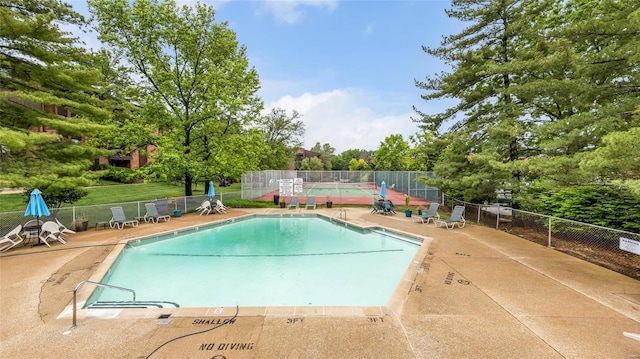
{"x": 286, "y": 261}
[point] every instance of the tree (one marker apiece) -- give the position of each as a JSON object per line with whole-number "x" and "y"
{"x": 588, "y": 85}
{"x": 393, "y": 154}
{"x": 484, "y": 58}
{"x": 311, "y": 164}
{"x": 57, "y": 199}
{"x": 195, "y": 77}
{"x": 327, "y": 154}
{"x": 618, "y": 160}
{"x": 343, "y": 160}
{"x": 539, "y": 85}
{"x": 282, "y": 135}
{"x": 358, "y": 165}
{"x": 50, "y": 106}
{"x": 424, "y": 150}
{"x": 134, "y": 134}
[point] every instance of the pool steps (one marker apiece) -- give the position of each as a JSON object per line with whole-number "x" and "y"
{"x": 132, "y": 304}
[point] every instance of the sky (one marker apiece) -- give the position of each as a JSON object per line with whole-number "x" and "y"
{"x": 348, "y": 67}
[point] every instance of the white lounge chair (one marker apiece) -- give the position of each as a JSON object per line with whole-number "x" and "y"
{"x": 220, "y": 208}
{"x": 64, "y": 230}
{"x": 11, "y": 239}
{"x": 311, "y": 202}
{"x": 457, "y": 217}
{"x": 293, "y": 203}
{"x": 153, "y": 215}
{"x": 51, "y": 231}
{"x": 429, "y": 215}
{"x": 205, "y": 207}
{"x": 119, "y": 219}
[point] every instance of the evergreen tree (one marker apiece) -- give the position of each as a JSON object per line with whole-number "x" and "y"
{"x": 540, "y": 84}
{"x": 50, "y": 99}
{"x": 587, "y": 86}
{"x": 485, "y": 68}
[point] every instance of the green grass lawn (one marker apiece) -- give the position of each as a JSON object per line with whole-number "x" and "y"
{"x": 117, "y": 193}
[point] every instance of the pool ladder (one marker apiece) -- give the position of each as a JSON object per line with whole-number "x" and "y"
{"x": 341, "y": 213}
{"x": 75, "y": 294}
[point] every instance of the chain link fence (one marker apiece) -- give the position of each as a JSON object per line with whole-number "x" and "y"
{"x": 102, "y": 212}
{"x": 610, "y": 248}
{"x": 260, "y": 183}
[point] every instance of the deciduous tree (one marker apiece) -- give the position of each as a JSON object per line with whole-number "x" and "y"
{"x": 392, "y": 154}
{"x": 283, "y": 136}
{"x": 196, "y": 77}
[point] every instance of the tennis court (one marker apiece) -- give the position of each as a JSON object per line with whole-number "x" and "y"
{"x": 338, "y": 189}
{"x": 345, "y": 193}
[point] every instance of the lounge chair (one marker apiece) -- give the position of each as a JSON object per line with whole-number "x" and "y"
{"x": 294, "y": 202}
{"x": 64, "y": 230}
{"x": 429, "y": 215}
{"x": 51, "y": 231}
{"x": 205, "y": 207}
{"x": 456, "y": 218}
{"x": 119, "y": 220}
{"x": 220, "y": 208}
{"x": 311, "y": 202}
{"x": 153, "y": 215}
{"x": 11, "y": 239}
{"x": 162, "y": 206}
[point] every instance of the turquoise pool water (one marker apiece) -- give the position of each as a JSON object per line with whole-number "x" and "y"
{"x": 286, "y": 261}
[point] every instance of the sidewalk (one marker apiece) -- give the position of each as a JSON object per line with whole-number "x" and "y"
{"x": 479, "y": 293}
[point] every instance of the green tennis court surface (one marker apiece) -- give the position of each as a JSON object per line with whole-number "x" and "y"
{"x": 339, "y": 190}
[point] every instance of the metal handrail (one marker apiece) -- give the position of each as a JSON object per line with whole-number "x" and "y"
{"x": 339, "y": 213}
{"x": 75, "y": 291}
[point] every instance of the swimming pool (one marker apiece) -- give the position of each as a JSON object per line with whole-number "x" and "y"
{"x": 258, "y": 261}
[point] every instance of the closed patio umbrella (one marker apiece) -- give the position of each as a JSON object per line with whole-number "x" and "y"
{"x": 383, "y": 189}
{"x": 211, "y": 192}
{"x": 37, "y": 208}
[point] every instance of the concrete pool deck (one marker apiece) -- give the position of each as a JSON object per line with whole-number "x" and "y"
{"x": 477, "y": 293}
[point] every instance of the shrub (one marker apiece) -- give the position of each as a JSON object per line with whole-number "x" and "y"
{"x": 58, "y": 198}
{"x": 599, "y": 205}
{"x": 247, "y": 203}
{"x": 120, "y": 174}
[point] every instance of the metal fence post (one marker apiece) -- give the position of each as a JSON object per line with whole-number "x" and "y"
{"x": 549, "y": 244}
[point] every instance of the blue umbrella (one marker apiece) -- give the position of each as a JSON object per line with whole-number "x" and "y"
{"x": 211, "y": 192}
{"x": 37, "y": 208}
{"x": 383, "y": 189}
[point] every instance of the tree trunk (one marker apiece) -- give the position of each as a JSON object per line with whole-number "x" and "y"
{"x": 188, "y": 182}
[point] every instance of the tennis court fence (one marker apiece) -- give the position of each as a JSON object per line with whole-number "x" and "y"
{"x": 340, "y": 184}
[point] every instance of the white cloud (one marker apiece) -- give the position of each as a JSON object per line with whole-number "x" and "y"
{"x": 343, "y": 119}
{"x": 292, "y": 11}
